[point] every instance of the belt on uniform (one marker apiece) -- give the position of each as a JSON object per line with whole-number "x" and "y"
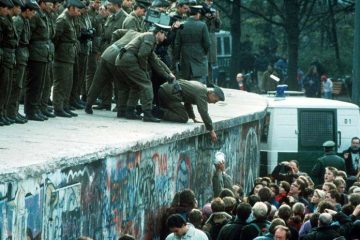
{"x": 40, "y": 42}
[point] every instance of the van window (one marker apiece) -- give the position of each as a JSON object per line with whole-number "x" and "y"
{"x": 315, "y": 127}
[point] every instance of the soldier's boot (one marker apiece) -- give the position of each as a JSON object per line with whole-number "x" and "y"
{"x": 158, "y": 112}
{"x": 61, "y": 113}
{"x": 148, "y": 117}
{"x": 132, "y": 114}
{"x": 88, "y": 109}
{"x": 67, "y": 110}
{"x": 40, "y": 114}
{"x": 102, "y": 106}
{"x": 121, "y": 112}
{"x": 48, "y": 114}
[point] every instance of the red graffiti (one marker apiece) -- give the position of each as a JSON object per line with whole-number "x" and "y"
{"x": 161, "y": 163}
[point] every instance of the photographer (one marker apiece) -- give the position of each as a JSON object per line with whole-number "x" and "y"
{"x": 284, "y": 172}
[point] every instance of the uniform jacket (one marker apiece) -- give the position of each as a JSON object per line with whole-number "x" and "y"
{"x": 349, "y": 163}
{"x": 113, "y": 22}
{"x": 8, "y": 41}
{"x": 192, "y": 45}
{"x": 193, "y": 92}
{"x": 329, "y": 160}
{"x": 83, "y": 23}
{"x": 65, "y": 39}
{"x": 97, "y": 22}
{"x": 134, "y": 22}
{"x": 22, "y": 27}
{"x": 40, "y": 47}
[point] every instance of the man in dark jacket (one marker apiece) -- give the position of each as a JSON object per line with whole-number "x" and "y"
{"x": 232, "y": 230}
{"x": 259, "y": 226}
{"x": 324, "y": 231}
{"x": 330, "y": 159}
{"x": 352, "y": 156}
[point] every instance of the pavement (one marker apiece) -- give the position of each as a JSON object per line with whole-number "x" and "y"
{"x": 38, "y": 147}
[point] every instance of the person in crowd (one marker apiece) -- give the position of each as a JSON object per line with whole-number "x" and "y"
{"x": 330, "y": 174}
{"x": 285, "y": 213}
{"x": 318, "y": 196}
{"x": 179, "y": 228}
{"x": 259, "y": 226}
{"x": 232, "y": 230}
{"x": 324, "y": 229}
{"x": 282, "y": 233}
{"x": 352, "y": 157}
{"x": 240, "y": 81}
{"x": 330, "y": 159}
{"x": 220, "y": 179}
{"x": 327, "y": 87}
{"x": 311, "y": 82}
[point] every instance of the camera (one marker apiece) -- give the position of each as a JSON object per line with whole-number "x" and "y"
{"x": 207, "y": 11}
{"x": 87, "y": 34}
{"x": 154, "y": 16}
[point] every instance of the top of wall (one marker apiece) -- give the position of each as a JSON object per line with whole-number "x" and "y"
{"x": 38, "y": 147}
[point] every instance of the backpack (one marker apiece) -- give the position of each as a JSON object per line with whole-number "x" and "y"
{"x": 262, "y": 231}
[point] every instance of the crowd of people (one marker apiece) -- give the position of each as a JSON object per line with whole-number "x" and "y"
{"x": 288, "y": 204}
{"x": 85, "y": 53}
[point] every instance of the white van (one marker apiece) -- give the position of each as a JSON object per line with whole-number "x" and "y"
{"x": 296, "y": 128}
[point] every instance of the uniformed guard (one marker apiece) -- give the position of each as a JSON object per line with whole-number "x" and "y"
{"x": 127, "y": 5}
{"x": 176, "y": 101}
{"x": 192, "y": 46}
{"x": 48, "y": 10}
{"x": 8, "y": 44}
{"x": 113, "y": 22}
{"x": 137, "y": 59}
{"x": 106, "y": 73}
{"x": 66, "y": 50}
{"x": 22, "y": 27}
{"x": 135, "y": 20}
{"x": 40, "y": 54}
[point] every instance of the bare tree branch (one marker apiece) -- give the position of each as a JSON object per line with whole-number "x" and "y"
{"x": 256, "y": 13}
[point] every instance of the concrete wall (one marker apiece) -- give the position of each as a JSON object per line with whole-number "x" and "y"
{"x": 124, "y": 193}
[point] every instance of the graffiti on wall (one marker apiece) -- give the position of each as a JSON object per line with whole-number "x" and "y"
{"x": 128, "y": 192}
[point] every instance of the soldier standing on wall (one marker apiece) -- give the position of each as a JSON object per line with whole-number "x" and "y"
{"x": 135, "y": 20}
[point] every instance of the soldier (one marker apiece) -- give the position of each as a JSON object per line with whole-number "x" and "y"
{"x": 113, "y": 22}
{"x": 66, "y": 49}
{"x": 97, "y": 24}
{"x": 135, "y": 20}
{"x": 48, "y": 9}
{"x": 106, "y": 72}
{"x": 40, "y": 55}
{"x": 127, "y": 5}
{"x": 192, "y": 46}
{"x": 134, "y": 63}
{"x": 85, "y": 33}
{"x": 8, "y": 44}
{"x": 191, "y": 92}
{"x": 22, "y": 27}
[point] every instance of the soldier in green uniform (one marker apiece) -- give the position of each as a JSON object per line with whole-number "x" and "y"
{"x": 40, "y": 54}
{"x": 65, "y": 53}
{"x": 48, "y": 10}
{"x": 113, "y": 22}
{"x": 135, "y": 20}
{"x": 85, "y": 33}
{"x": 22, "y": 27}
{"x": 106, "y": 71}
{"x": 176, "y": 105}
{"x": 8, "y": 44}
{"x": 192, "y": 45}
{"x": 97, "y": 23}
{"x": 137, "y": 56}
{"x": 127, "y": 5}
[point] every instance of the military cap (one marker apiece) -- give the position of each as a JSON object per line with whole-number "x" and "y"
{"x": 182, "y": 2}
{"x": 160, "y": 27}
{"x": 219, "y": 93}
{"x": 118, "y": 2}
{"x": 160, "y": 3}
{"x": 74, "y": 3}
{"x": 195, "y": 9}
{"x": 329, "y": 144}
{"x": 31, "y": 4}
{"x": 6, "y": 3}
{"x": 18, "y": 3}
{"x": 192, "y": 3}
{"x": 143, "y": 3}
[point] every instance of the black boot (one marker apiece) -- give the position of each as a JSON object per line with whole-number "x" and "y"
{"x": 67, "y": 110}
{"x": 158, "y": 112}
{"x": 61, "y": 113}
{"x": 121, "y": 113}
{"x": 148, "y": 117}
{"x": 88, "y": 109}
{"x": 106, "y": 107}
{"x": 42, "y": 115}
{"x": 34, "y": 117}
{"x": 48, "y": 114}
{"x": 132, "y": 114}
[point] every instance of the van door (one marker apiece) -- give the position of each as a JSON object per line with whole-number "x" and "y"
{"x": 315, "y": 126}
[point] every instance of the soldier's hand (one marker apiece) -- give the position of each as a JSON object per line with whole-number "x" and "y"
{"x": 213, "y": 136}
{"x": 176, "y": 24}
{"x": 176, "y": 88}
{"x": 197, "y": 120}
{"x": 346, "y": 155}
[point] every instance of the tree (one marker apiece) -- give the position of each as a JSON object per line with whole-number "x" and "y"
{"x": 356, "y": 61}
{"x": 235, "y": 26}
